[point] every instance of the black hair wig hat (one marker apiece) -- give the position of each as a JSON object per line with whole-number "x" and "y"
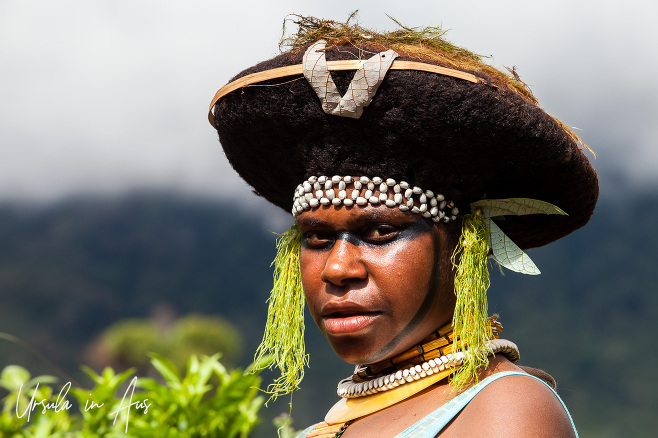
{"x": 467, "y": 140}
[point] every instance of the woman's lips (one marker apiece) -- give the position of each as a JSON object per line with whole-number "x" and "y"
{"x": 339, "y": 324}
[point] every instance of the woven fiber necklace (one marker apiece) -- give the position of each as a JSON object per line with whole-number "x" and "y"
{"x": 377, "y": 386}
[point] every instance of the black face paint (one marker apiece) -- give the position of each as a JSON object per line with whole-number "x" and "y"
{"x": 430, "y": 297}
{"x": 359, "y": 236}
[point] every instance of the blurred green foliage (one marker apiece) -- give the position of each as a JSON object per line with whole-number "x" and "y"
{"x": 125, "y": 342}
{"x": 69, "y": 270}
{"x": 192, "y": 404}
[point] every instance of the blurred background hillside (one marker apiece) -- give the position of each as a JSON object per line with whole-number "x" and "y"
{"x": 121, "y": 219}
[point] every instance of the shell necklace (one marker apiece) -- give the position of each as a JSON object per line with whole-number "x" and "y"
{"x": 377, "y": 386}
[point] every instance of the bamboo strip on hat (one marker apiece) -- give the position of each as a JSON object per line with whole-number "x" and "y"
{"x": 348, "y": 64}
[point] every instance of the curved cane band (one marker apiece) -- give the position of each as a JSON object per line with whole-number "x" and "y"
{"x": 351, "y": 64}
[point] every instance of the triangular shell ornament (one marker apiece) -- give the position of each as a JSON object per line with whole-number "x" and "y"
{"x": 361, "y": 90}
{"x": 504, "y": 250}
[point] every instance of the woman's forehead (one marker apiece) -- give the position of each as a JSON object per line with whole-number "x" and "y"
{"x": 341, "y": 216}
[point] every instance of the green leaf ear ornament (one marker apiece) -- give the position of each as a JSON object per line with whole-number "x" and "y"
{"x": 504, "y": 250}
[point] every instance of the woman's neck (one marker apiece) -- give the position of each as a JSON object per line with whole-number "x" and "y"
{"x": 436, "y": 344}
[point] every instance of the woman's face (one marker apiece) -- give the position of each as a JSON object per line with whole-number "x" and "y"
{"x": 374, "y": 279}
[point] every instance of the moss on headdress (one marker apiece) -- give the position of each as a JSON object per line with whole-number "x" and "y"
{"x": 415, "y": 42}
{"x": 420, "y": 42}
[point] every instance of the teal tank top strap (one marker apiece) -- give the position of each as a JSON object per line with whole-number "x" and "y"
{"x": 431, "y": 425}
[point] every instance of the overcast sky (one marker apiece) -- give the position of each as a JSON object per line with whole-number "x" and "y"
{"x": 106, "y": 96}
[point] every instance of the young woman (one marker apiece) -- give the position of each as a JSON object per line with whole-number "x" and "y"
{"x": 405, "y": 166}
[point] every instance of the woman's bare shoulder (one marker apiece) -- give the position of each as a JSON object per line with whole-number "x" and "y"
{"x": 515, "y": 406}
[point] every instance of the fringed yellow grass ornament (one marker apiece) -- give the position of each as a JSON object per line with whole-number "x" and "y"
{"x": 284, "y": 333}
{"x": 480, "y": 234}
{"x": 470, "y": 322}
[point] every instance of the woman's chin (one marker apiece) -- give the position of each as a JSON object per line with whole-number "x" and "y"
{"x": 355, "y": 352}
{"x": 361, "y": 351}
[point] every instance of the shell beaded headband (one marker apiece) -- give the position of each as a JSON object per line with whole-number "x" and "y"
{"x": 323, "y": 190}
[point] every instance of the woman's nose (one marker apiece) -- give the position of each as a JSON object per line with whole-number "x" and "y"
{"x": 344, "y": 264}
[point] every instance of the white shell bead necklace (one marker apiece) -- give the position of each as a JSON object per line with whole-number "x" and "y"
{"x": 348, "y": 388}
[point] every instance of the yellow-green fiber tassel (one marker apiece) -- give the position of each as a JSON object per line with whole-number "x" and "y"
{"x": 470, "y": 322}
{"x": 283, "y": 340}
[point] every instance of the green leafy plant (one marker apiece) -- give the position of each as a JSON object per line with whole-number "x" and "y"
{"x": 207, "y": 400}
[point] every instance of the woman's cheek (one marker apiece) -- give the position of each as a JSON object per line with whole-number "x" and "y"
{"x": 311, "y": 271}
{"x": 403, "y": 259}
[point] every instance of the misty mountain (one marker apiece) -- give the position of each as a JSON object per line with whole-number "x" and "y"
{"x": 69, "y": 270}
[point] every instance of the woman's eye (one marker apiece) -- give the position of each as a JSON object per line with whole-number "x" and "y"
{"x": 317, "y": 239}
{"x": 382, "y": 233}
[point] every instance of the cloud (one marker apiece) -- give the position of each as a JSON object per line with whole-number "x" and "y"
{"x": 108, "y": 96}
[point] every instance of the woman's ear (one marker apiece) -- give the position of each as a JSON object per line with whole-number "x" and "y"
{"x": 446, "y": 237}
